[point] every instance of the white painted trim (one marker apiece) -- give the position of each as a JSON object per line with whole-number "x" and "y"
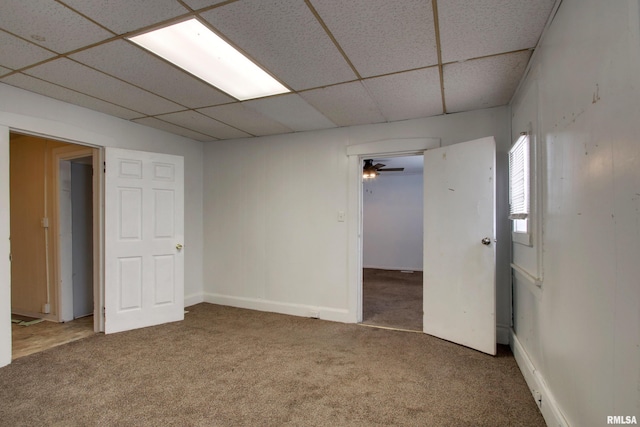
{"x": 35, "y": 315}
{"x": 193, "y": 299}
{"x": 302, "y": 310}
{"x": 533, "y": 283}
{"x": 548, "y": 405}
{"x": 63, "y": 258}
{"x": 396, "y": 268}
{"x": 5, "y": 251}
{"x": 394, "y": 147}
{"x": 503, "y": 333}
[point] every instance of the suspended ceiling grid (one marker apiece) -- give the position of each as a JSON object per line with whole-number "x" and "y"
{"x": 346, "y": 62}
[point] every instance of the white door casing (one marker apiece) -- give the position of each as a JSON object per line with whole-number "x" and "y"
{"x": 459, "y": 269}
{"x": 144, "y": 234}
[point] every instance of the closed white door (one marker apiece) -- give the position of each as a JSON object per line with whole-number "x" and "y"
{"x": 144, "y": 233}
{"x": 459, "y": 244}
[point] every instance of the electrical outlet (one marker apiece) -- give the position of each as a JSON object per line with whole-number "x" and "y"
{"x": 341, "y": 216}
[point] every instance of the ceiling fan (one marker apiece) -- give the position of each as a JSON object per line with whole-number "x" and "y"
{"x": 371, "y": 171}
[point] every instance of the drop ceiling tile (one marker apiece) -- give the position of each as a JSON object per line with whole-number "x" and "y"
{"x": 382, "y": 36}
{"x": 199, "y": 4}
{"x": 345, "y": 105}
{"x": 70, "y": 74}
{"x": 138, "y": 67}
{"x": 171, "y": 128}
{"x": 17, "y": 53}
{"x": 200, "y": 123}
{"x": 50, "y": 24}
{"x": 407, "y": 95}
{"x": 483, "y": 83}
{"x": 246, "y": 119}
{"x": 292, "y": 111}
{"x": 122, "y": 16}
{"x": 4, "y": 71}
{"x": 53, "y": 91}
{"x": 486, "y": 27}
{"x": 284, "y": 37}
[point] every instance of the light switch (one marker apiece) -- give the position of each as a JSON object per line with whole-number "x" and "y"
{"x": 341, "y": 216}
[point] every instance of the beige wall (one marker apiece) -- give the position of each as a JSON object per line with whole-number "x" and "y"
{"x": 29, "y": 158}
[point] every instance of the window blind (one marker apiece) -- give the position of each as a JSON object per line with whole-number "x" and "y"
{"x": 519, "y": 178}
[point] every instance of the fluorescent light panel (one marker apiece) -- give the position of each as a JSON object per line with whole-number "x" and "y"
{"x": 196, "y": 49}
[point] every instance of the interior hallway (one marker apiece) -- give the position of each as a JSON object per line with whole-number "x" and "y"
{"x": 392, "y": 299}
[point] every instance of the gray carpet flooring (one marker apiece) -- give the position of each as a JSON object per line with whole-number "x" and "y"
{"x": 224, "y": 366}
{"x": 391, "y": 298}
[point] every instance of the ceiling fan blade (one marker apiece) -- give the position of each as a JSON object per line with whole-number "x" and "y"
{"x": 378, "y": 165}
{"x": 391, "y": 170}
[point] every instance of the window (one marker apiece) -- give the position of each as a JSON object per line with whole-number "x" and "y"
{"x": 519, "y": 188}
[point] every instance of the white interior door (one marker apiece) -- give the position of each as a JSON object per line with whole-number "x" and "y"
{"x": 459, "y": 244}
{"x": 144, "y": 232}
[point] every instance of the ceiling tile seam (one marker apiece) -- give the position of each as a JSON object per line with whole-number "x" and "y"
{"x": 535, "y": 50}
{"x": 207, "y": 8}
{"x": 235, "y": 127}
{"x": 331, "y": 36}
{"x": 436, "y": 27}
{"x": 172, "y": 124}
{"x": 243, "y": 52}
{"x": 208, "y": 117}
{"x": 85, "y": 17}
{"x": 493, "y": 55}
{"x": 182, "y": 127}
{"x": 373, "y": 99}
{"x": 77, "y": 91}
{"x": 129, "y": 83}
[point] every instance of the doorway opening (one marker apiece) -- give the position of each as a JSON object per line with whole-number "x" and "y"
{"x": 392, "y": 242}
{"x": 54, "y": 225}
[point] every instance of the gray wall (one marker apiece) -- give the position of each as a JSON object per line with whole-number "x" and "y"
{"x": 576, "y": 290}
{"x": 272, "y": 239}
{"x": 392, "y": 222}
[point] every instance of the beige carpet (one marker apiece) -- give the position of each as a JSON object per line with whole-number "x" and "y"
{"x": 392, "y": 298}
{"x": 223, "y": 366}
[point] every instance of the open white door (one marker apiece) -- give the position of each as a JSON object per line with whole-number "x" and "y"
{"x": 459, "y": 244}
{"x": 144, "y": 232}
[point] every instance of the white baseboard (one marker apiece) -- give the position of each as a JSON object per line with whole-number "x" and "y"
{"x": 193, "y": 299}
{"x": 538, "y": 386}
{"x": 502, "y": 334}
{"x": 379, "y": 267}
{"x": 325, "y": 313}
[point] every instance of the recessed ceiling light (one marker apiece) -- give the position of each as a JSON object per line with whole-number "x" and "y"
{"x": 193, "y": 47}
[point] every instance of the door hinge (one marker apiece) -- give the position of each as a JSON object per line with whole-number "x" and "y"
{"x": 104, "y": 164}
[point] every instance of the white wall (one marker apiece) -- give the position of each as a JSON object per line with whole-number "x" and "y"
{"x": 272, "y": 239}
{"x": 392, "y": 222}
{"x": 22, "y": 110}
{"x": 577, "y": 335}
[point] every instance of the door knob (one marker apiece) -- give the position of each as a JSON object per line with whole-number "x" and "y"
{"x": 179, "y": 246}
{"x": 486, "y": 241}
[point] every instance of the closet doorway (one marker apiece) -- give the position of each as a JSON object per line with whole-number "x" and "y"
{"x": 53, "y": 204}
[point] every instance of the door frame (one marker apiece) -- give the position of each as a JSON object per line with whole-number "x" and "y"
{"x": 62, "y": 261}
{"x": 356, "y": 153}
{"x": 97, "y": 153}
